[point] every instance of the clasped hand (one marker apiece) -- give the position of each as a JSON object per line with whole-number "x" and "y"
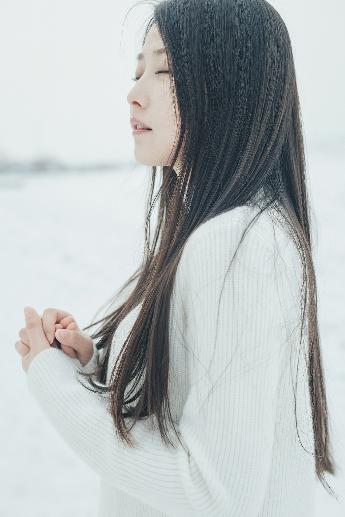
{"x": 39, "y": 334}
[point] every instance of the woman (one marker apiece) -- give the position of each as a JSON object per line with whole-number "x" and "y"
{"x": 215, "y": 342}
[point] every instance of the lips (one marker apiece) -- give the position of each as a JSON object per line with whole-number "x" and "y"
{"x": 137, "y": 124}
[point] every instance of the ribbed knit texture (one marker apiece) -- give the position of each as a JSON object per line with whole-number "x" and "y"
{"x": 233, "y": 364}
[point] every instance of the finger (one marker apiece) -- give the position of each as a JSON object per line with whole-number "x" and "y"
{"x": 34, "y": 328}
{"x": 49, "y": 317}
{"x": 22, "y": 348}
{"x": 24, "y": 336}
{"x": 69, "y": 351}
{"x": 72, "y": 338}
{"x": 72, "y": 326}
{"x": 69, "y": 322}
{"x": 55, "y": 342}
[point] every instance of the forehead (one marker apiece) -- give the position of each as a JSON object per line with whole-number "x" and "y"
{"x": 156, "y": 52}
{"x": 153, "y": 46}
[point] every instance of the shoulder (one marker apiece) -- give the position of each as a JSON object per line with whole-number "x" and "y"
{"x": 224, "y": 232}
{"x": 258, "y": 239}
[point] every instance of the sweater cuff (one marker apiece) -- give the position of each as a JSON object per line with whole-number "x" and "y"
{"x": 48, "y": 366}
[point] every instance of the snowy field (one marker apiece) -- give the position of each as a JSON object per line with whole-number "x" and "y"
{"x": 69, "y": 241}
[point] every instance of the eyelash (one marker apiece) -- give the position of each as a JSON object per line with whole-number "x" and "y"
{"x": 159, "y": 72}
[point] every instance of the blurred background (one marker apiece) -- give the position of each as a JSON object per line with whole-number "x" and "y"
{"x": 72, "y": 207}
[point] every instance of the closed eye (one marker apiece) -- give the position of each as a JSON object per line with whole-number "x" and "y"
{"x": 159, "y": 72}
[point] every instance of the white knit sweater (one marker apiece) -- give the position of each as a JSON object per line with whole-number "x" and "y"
{"x": 231, "y": 388}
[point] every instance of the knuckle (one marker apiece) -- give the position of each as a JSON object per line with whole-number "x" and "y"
{"x": 67, "y": 320}
{"x": 49, "y": 310}
{"x": 23, "y": 334}
{"x": 21, "y": 348}
{"x": 47, "y": 316}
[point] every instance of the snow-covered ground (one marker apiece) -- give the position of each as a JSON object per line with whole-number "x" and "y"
{"x": 69, "y": 241}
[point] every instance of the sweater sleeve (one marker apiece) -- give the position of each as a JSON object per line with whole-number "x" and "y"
{"x": 235, "y": 337}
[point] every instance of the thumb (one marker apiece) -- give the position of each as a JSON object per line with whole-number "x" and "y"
{"x": 34, "y": 328}
{"x": 73, "y": 338}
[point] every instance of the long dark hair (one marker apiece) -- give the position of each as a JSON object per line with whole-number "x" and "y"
{"x": 234, "y": 84}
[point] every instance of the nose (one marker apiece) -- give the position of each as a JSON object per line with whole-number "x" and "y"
{"x": 129, "y": 97}
{"x": 136, "y": 96}
{"x": 132, "y": 95}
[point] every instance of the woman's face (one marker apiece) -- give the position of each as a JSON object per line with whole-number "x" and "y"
{"x": 151, "y": 102}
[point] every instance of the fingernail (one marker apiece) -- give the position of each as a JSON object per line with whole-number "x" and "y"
{"x": 28, "y": 311}
{"x": 60, "y": 333}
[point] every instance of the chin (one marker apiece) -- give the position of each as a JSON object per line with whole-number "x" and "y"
{"x": 150, "y": 161}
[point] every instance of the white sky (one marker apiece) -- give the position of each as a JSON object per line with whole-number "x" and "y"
{"x": 66, "y": 68}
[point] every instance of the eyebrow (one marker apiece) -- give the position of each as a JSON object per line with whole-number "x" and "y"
{"x": 157, "y": 52}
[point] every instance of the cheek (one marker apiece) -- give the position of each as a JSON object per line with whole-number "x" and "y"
{"x": 165, "y": 119}
{"x": 167, "y": 134}
{"x": 168, "y": 126}
{"x": 165, "y": 105}
{"x": 170, "y": 121}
